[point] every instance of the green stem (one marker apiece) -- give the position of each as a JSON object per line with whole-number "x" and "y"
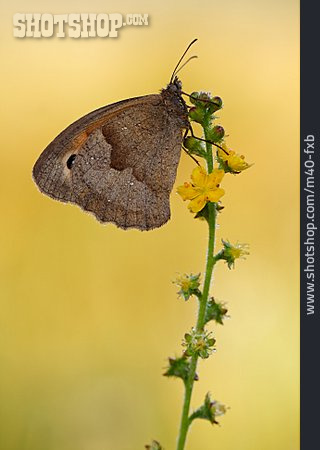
{"x": 184, "y": 424}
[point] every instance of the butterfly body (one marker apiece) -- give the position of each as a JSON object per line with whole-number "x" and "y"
{"x": 120, "y": 161}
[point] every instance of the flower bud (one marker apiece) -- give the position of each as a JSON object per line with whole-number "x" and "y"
{"x": 205, "y": 96}
{"x": 194, "y": 97}
{"x": 201, "y": 99}
{"x": 194, "y": 146}
{"x": 197, "y": 114}
{"x": 216, "y": 134}
{"x": 217, "y": 103}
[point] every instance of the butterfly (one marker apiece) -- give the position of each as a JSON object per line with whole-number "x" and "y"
{"x": 119, "y": 162}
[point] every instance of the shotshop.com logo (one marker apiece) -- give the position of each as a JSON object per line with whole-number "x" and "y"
{"x": 87, "y": 25}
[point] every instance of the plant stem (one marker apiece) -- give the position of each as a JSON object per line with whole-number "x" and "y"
{"x": 184, "y": 424}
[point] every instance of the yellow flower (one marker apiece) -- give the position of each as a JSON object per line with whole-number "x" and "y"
{"x": 189, "y": 285}
{"x": 231, "y": 252}
{"x": 218, "y": 408}
{"x": 234, "y": 162}
{"x": 239, "y": 251}
{"x": 203, "y": 189}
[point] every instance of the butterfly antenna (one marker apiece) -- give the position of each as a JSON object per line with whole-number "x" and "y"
{"x": 184, "y": 53}
{"x": 184, "y": 64}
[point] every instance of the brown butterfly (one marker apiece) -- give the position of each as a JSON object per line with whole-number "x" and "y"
{"x": 120, "y": 161}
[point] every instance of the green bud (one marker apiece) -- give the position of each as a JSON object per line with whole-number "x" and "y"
{"x": 194, "y": 97}
{"x": 217, "y": 103}
{"x": 204, "y": 96}
{"x": 197, "y": 114}
{"x": 201, "y": 99}
{"x": 205, "y": 102}
{"x": 216, "y": 133}
{"x": 194, "y": 146}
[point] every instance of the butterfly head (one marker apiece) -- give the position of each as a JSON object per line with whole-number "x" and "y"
{"x": 175, "y": 86}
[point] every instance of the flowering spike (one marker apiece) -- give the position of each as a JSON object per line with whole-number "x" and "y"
{"x": 204, "y": 194}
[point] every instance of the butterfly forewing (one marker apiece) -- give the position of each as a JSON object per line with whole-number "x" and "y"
{"x": 118, "y": 162}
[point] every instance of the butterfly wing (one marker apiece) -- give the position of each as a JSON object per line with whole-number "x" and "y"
{"x": 118, "y": 162}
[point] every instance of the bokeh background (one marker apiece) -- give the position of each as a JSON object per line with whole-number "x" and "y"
{"x": 88, "y": 312}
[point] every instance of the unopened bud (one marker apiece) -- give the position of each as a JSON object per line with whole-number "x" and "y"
{"x": 194, "y": 146}
{"x": 197, "y": 114}
{"x": 216, "y": 134}
{"x": 216, "y": 103}
{"x": 194, "y": 97}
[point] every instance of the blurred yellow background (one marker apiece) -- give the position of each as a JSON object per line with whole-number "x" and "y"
{"x": 88, "y": 312}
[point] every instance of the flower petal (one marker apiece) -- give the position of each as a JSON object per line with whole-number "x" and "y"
{"x": 187, "y": 191}
{"x": 215, "y": 178}
{"x": 214, "y": 196}
{"x": 197, "y": 204}
{"x": 222, "y": 154}
{"x": 237, "y": 163}
{"x": 199, "y": 176}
